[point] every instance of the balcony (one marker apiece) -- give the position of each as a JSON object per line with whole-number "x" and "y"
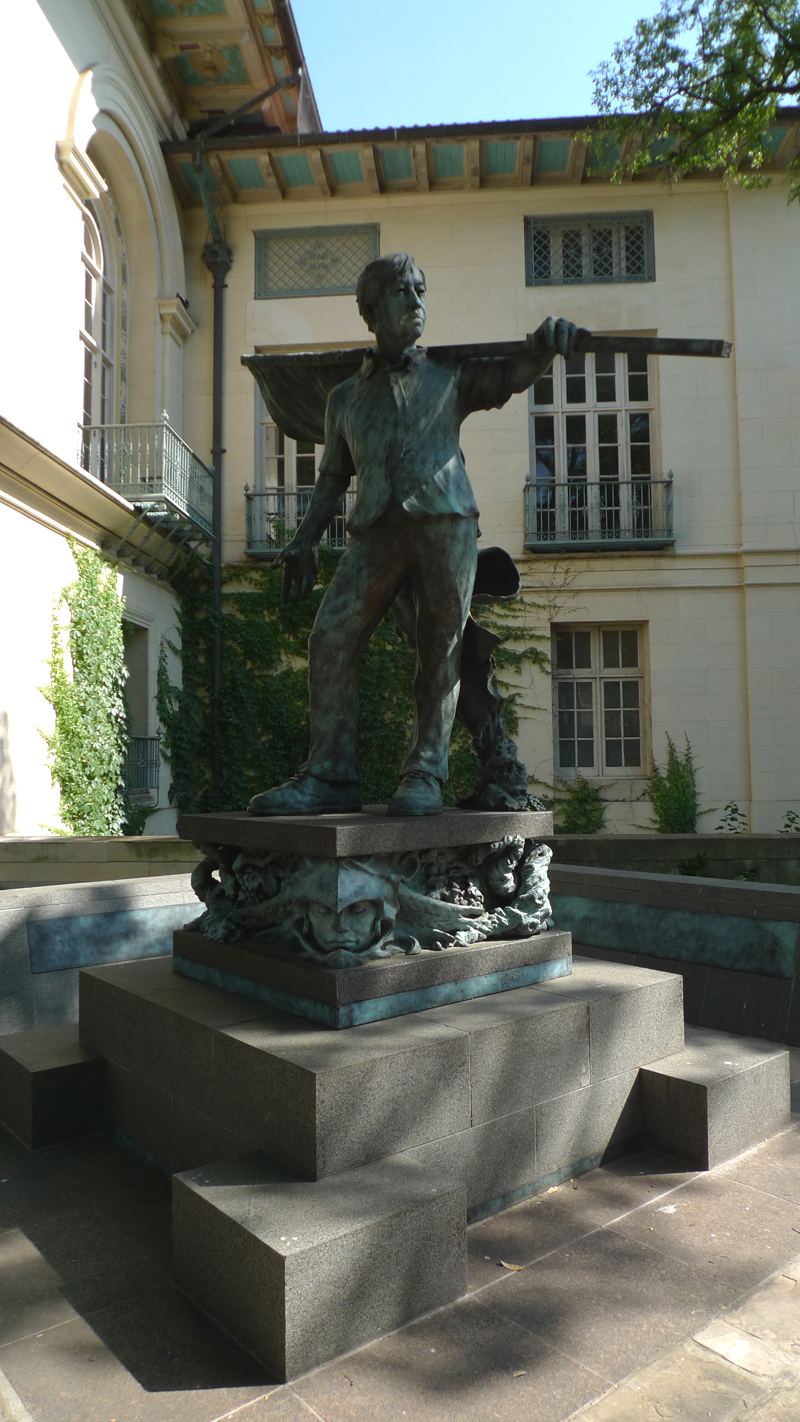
{"x": 273, "y": 517}
{"x": 152, "y": 467}
{"x": 142, "y": 765}
{"x": 604, "y": 516}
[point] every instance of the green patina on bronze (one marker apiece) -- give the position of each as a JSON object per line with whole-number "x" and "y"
{"x": 716, "y": 940}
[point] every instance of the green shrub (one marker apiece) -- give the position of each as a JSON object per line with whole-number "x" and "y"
{"x": 87, "y": 676}
{"x": 581, "y": 808}
{"x": 733, "y": 821}
{"x": 673, "y": 793}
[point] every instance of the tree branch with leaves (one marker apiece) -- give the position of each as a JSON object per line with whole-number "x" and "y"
{"x": 697, "y": 88}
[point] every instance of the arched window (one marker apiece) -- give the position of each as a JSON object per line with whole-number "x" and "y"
{"x": 98, "y": 342}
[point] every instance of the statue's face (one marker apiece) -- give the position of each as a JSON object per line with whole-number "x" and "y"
{"x": 400, "y": 314}
{"x": 353, "y": 927}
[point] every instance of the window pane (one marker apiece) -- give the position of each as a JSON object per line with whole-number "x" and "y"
{"x": 605, "y": 377}
{"x": 543, "y": 390}
{"x": 572, "y": 254}
{"x": 583, "y": 695}
{"x": 637, "y": 377}
{"x": 87, "y": 386}
{"x": 613, "y": 753}
{"x": 563, "y": 655}
{"x": 576, "y": 380}
{"x": 576, "y": 446}
{"x": 630, "y": 655}
{"x": 274, "y": 473}
{"x": 566, "y": 754}
{"x": 566, "y": 695}
{"x": 541, "y": 254}
{"x": 633, "y": 240}
{"x": 640, "y": 444}
{"x": 633, "y": 752}
{"x": 544, "y": 434}
{"x": 611, "y": 649}
{"x": 583, "y": 649}
{"x": 566, "y": 724}
{"x": 306, "y": 472}
{"x": 613, "y": 727}
{"x": 88, "y": 302}
{"x": 585, "y": 755}
{"x": 630, "y": 723}
{"x": 602, "y": 254}
{"x": 607, "y": 446}
{"x": 611, "y": 695}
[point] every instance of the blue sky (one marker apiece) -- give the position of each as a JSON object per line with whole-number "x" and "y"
{"x": 379, "y": 63}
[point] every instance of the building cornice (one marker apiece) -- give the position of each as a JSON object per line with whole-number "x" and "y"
{"x": 175, "y": 318}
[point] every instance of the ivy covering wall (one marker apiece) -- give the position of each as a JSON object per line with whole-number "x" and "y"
{"x": 87, "y": 678}
{"x": 264, "y": 725}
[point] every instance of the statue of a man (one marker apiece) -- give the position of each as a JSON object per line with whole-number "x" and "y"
{"x": 395, "y": 427}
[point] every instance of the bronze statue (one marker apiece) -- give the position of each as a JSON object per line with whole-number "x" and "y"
{"x": 394, "y": 425}
{"x": 391, "y": 419}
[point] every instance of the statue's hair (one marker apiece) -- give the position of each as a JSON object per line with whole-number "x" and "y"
{"x": 376, "y": 275}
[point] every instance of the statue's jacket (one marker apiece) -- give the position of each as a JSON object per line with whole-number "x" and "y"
{"x": 396, "y": 429}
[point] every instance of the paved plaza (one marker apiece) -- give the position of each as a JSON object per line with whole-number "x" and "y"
{"x": 639, "y": 1291}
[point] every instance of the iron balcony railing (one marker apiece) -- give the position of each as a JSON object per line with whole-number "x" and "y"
{"x": 152, "y": 467}
{"x": 274, "y": 515}
{"x": 602, "y": 515}
{"x": 142, "y": 764}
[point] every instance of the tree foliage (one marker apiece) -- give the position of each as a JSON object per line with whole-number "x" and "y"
{"x": 264, "y": 726}
{"x": 87, "y": 677}
{"x": 697, "y": 88}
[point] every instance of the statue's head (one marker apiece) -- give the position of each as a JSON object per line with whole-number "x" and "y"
{"x": 391, "y": 298}
{"x": 343, "y": 905}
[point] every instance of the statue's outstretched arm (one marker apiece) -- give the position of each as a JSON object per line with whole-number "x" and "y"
{"x": 552, "y": 338}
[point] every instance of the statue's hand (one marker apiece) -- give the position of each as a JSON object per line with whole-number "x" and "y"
{"x": 559, "y": 337}
{"x": 300, "y": 568}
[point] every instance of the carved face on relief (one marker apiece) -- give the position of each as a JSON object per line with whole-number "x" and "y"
{"x": 353, "y": 927}
{"x": 345, "y": 904}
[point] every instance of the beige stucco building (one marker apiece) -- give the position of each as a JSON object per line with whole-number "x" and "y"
{"x": 650, "y": 502}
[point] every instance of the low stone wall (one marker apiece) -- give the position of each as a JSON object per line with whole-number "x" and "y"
{"x": 734, "y": 944}
{"x": 48, "y": 934}
{"x": 776, "y": 857}
{"x": 77, "y": 859}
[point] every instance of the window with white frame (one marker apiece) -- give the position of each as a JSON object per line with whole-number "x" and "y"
{"x": 97, "y": 337}
{"x": 591, "y": 439}
{"x": 598, "y": 701}
{"x": 285, "y": 474}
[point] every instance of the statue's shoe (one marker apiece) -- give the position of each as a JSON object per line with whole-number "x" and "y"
{"x": 417, "y": 794}
{"x": 306, "y": 795}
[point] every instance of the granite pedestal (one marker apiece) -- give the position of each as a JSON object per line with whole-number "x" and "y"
{"x": 323, "y": 1172}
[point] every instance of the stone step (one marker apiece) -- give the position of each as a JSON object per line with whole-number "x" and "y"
{"x": 300, "y": 1272}
{"x": 51, "y": 1087}
{"x": 501, "y": 1092}
{"x": 716, "y": 1098}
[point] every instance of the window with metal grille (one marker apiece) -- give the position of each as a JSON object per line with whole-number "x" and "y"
{"x": 600, "y": 247}
{"x": 313, "y": 261}
{"x": 598, "y": 701}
